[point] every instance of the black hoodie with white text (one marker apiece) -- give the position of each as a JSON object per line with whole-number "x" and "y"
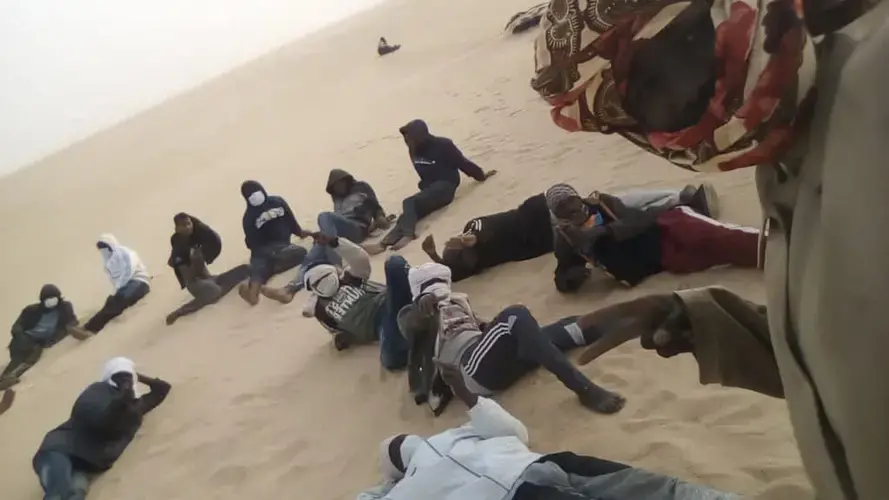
{"x": 271, "y": 223}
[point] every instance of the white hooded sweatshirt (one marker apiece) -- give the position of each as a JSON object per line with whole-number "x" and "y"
{"x": 122, "y": 265}
{"x": 481, "y": 460}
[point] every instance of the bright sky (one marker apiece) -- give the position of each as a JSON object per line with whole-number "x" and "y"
{"x": 69, "y": 68}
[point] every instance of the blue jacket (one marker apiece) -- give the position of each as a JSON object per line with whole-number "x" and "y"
{"x": 438, "y": 158}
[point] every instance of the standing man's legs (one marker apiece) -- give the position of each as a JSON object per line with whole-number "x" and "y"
{"x": 394, "y": 347}
{"x": 58, "y": 477}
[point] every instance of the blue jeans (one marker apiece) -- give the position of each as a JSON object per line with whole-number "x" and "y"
{"x": 274, "y": 259}
{"x": 393, "y": 346}
{"x": 59, "y": 478}
{"x": 331, "y": 224}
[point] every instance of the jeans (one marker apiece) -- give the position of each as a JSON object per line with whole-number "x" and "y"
{"x": 436, "y": 196}
{"x": 651, "y": 200}
{"x": 209, "y": 290}
{"x": 274, "y": 259}
{"x": 514, "y": 344}
{"x": 330, "y": 224}
{"x": 116, "y": 304}
{"x": 393, "y": 346}
{"x": 60, "y": 479}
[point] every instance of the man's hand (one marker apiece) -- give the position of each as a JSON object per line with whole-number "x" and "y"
{"x": 428, "y": 245}
{"x": 453, "y": 376}
{"x": 125, "y": 384}
{"x": 659, "y": 321}
{"x": 427, "y": 305}
{"x": 489, "y": 174}
{"x": 323, "y": 239}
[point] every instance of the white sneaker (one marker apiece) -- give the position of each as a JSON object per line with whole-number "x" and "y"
{"x": 309, "y": 306}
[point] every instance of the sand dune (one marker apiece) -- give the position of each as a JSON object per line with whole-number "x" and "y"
{"x": 262, "y": 405}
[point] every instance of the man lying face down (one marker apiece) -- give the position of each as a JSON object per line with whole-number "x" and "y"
{"x": 630, "y": 244}
{"x": 495, "y": 354}
{"x": 105, "y": 418}
{"x": 193, "y": 246}
{"x": 489, "y": 458}
{"x": 38, "y": 327}
{"x": 526, "y": 232}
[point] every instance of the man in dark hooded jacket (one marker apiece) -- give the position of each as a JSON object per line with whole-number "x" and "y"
{"x": 356, "y": 212}
{"x": 104, "y": 420}
{"x": 268, "y": 224}
{"x": 39, "y": 326}
{"x": 438, "y": 162}
{"x": 194, "y": 246}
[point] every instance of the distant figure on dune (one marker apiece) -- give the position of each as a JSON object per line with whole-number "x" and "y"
{"x": 356, "y": 213}
{"x": 105, "y": 418}
{"x": 488, "y": 459}
{"x": 631, "y": 245}
{"x": 526, "y": 232}
{"x": 194, "y": 245}
{"x": 495, "y": 354}
{"x": 353, "y": 308}
{"x": 38, "y": 327}
{"x": 128, "y": 276}
{"x": 438, "y": 162}
{"x": 384, "y": 48}
{"x": 268, "y": 225}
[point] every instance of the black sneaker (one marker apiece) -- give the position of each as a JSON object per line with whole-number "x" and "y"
{"x": 341, "y": 341}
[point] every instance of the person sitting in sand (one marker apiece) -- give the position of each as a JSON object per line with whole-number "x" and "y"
{"x": 438, "y": 162}
{"x": 194, "y": 245}
{"x": 128, "y": 276}
{"x": 526, "y": 232}
{"x": 353, "y": 308}
{"x": 495, "y": 354}
{"x": 38, "y": 327}
{"x": 630, "y": 244}
{"x": 489, "y": 458}
{"x": 356, "y": 213}
{"x": 384, "y": 48}
{"x": 105, "y": 418}
{"x": 268, "y": 225}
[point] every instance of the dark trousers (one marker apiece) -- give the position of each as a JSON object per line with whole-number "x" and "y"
{"x": 514, "y": 344}
{"x": 24, "y": 352}
{"x": 436, "y": 196}
{"x": 59, "y": 477}
{"x": 116, "y": 304}
{"x": 691, "y": 242}
{"x": 210, "y": 290}
{"x": 274, "y": 259}
{"x": 393, "y": 345}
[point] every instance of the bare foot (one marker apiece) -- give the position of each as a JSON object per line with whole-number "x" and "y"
{"x": 277, "y": 294}
{"x": 6, "y": 401}
{"x": 79, "y": 333}
{"x": 248, "y": 295}
{"x": 403, "y": 242}
{"x": 374, "y": 248}
{"x": 601, "y": 401}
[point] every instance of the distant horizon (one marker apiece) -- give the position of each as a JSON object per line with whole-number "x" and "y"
{"x": 106, "y": 62}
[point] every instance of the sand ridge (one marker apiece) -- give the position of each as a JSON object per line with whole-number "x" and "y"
{"x": 261, "y": 404}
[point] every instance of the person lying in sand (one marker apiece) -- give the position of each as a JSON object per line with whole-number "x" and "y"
{"x": 630, "y": 244}
{"x": 128, "y": 276}
{"x": 104, "y": 419}
{"x": 438, "y": 162}
{"x": 194, "y": 246}
{"x": 526, "y": 232}
{"x": 495, "y": 354}
{"x": 384, "y": 48}
{"x": 38, "y": 327}
{"x": 268, "y": 225}
{"x": 356, "y": 213}
{"x": 813, "y": 121}
{"x": 353, "y": 308}
{"x": 489, "y": 458}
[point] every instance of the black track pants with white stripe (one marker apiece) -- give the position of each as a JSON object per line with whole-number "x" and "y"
{"x": 515, "y": 344}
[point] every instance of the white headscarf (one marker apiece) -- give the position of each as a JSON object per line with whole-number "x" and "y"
{"x": 406, "y": 451}
{"x": 430, "y": 278}
{"x": 120, "y": 365}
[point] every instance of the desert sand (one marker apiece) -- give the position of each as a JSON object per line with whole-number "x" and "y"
{"x": 263, "y": 406}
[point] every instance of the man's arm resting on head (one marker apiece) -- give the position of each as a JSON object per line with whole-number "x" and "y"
{"x": 158, "y": 393}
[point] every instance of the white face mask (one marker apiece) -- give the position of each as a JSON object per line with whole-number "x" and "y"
{"x": 106, "y": 253}
{"x": 51, "y": 302}
{"x": 256, "y": 199}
